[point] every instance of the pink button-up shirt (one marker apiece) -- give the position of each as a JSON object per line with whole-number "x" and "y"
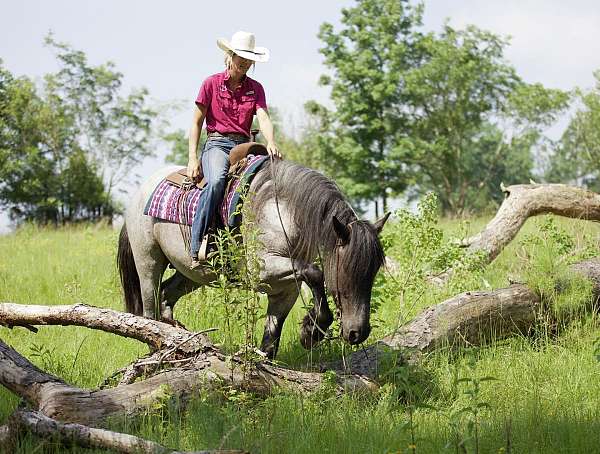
{"x": 230, "y": 111}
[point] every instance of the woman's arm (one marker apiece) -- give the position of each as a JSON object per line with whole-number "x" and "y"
{"x": 266, "y": 127}
{"x": 193, "y": 167}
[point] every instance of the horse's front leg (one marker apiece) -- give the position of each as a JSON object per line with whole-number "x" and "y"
{"x": 283, "y": 278}
{"x": 280, "y": 304}
{"x": 319, "y": 317}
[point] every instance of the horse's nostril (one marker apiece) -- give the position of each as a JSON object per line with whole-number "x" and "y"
{"x": 353, "y": 337}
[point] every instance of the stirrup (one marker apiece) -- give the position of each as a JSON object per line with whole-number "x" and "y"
{"x": 201, "y": 257}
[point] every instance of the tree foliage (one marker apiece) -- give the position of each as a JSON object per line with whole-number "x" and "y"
{"x": 473, "y": 120}
{"x": 63, "y": 147}
{"x": 430, "y": 112}
{"x": 577, "y": 155}
{"x": 113, "y": 129}
{"x": 378, "y": 42}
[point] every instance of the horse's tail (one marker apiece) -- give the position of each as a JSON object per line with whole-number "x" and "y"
{"x": 130, "y": 280}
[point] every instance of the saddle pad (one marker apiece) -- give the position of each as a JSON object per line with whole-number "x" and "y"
{"x": 163, "y": 203}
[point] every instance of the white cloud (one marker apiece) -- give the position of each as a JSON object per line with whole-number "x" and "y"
{"x": 553, "y": 42}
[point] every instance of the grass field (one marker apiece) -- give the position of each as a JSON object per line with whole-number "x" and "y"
{"x": 544, "y": 396}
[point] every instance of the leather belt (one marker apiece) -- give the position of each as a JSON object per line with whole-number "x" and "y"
{"x": 229, "y": 135}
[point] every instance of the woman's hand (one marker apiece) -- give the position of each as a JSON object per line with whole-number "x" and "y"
{"x": 193, "y": 169}
{"x": 273, "y": 150}
{"x": 266, "y": 127}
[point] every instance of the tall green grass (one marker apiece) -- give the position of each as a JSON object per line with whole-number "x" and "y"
{"x": 544, "y": 397}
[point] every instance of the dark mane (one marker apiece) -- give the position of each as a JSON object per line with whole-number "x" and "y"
{"x": 313, "y": 200}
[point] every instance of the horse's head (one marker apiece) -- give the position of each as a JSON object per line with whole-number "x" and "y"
{"x": 350, "y": 272}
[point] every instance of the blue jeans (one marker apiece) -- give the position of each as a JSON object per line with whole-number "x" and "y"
{"x": 215, "y": 164}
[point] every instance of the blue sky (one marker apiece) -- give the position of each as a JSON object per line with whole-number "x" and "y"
{"x": 169, "y": 47}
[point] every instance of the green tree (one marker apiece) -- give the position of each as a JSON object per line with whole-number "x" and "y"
{"x": 113, "y": 130}
{"x": 576, "y": 157}
{"x": 442, "y": 112}
{"x": 63, "y": 151}
{"x": 45, "y": 176}
{"x": 474, "y": 121}
{"x": 377, "y": 43}
{"x": 26, "y": 172}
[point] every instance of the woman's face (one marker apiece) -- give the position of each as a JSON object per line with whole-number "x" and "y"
{"x": 240, "y": 64}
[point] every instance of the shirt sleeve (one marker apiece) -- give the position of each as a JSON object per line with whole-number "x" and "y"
{"x": 205, "y": 94}
{"x": 261, "y": 100}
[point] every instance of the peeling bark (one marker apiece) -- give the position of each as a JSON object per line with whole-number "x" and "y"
{"x": 156, "y": 334}
{"x": 206, "y": 368}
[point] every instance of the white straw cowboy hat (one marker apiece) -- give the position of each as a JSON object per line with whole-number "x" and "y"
{"x": 243, "y": 44}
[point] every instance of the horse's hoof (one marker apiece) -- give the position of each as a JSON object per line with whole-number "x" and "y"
{"x": 310, "y": 336}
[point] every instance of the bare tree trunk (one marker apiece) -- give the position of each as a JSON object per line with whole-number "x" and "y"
{"x": 526, "y": 200}
{"x": 89, "y": 437}
{"x": 522, "y": 202}
{"x": 471, "y": 318}
{"x": 205, "y": 366}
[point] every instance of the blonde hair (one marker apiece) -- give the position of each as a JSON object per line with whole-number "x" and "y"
{"x": 229, "y": 60}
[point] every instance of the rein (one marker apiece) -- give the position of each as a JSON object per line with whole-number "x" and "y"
{"x": 336, "y": 294}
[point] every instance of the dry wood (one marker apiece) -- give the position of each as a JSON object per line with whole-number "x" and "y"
{"x": 470, "y": 318}
{"x": 522, "y": 202}
{"x": 89, "y": 437}
{"x": 207, "y": 367}
{"x": 158, "y": 335}
{"x": 5, "y": 435}
{"x": 526, "y": 200}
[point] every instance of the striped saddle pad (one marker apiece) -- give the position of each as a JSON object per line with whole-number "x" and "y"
{"x": 165, "y": 203}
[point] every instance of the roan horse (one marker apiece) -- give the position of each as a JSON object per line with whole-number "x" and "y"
{"x": 300, "y": 214}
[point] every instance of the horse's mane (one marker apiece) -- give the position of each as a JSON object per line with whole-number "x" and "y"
{"x": 313, "y": 200}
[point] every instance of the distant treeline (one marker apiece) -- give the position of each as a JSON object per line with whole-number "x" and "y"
{"x": 414, "y": 112}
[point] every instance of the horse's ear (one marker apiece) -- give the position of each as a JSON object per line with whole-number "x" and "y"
{"x": 342, "y": 231}
{"x": 381, "y": 222}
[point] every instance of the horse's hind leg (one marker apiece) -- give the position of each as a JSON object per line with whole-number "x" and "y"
{"x": 319, "y": 317}
{"x": 171, "y": 290}
{"x": 150, "y": 277}
{"x": 280, "y": 304}
{"x": 150, "y": 262}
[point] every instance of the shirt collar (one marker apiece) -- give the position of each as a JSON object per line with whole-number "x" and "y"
{"x": 226, "y": 77}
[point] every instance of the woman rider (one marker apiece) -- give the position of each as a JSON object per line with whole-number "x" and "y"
{"x": 227, "y": 101}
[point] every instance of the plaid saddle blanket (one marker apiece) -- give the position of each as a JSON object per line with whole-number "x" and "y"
{"x": 165, "y": 203}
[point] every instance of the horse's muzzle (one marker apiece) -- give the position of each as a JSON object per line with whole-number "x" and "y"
{"x": 355, "y": 336}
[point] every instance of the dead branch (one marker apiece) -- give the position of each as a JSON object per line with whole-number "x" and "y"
{"x": 526, "y": 200}
{"x": 158, "y": 335}
{"x": 207, "y": 368}
{"x": 522, "y": 202}
{"x": 89, "y": 437}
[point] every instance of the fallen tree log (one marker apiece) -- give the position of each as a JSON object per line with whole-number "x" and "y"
{"x": 207, "y": 367}
{"x": 467, "y": 319}
{"x": 200, "y": 365}
{"x": 88, "y": 437}
{"x": 520, "y": 203}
